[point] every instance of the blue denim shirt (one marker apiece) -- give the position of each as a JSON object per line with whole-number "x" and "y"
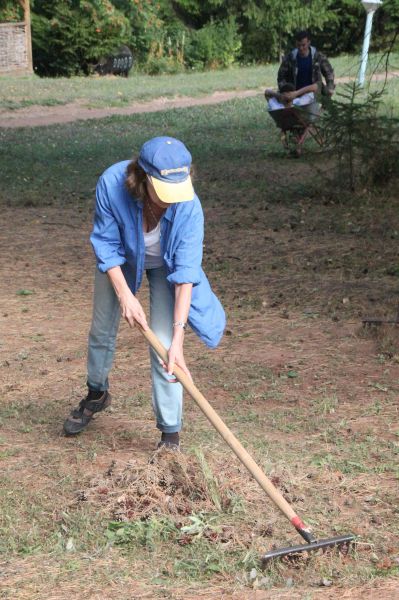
{"x": 118, "y": 240}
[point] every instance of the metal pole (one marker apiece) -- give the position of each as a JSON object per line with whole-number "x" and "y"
{"x": 366, "y": 44}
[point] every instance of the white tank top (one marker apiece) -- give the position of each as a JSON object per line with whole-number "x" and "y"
{"x": 152, "y": 242}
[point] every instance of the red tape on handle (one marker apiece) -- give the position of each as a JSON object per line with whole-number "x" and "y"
{"x": 297, "y": 523}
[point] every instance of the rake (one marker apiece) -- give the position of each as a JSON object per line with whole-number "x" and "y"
{"x": 246, "y": 459}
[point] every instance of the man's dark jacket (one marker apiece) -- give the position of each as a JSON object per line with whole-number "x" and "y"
{"x": 288, "y": 70}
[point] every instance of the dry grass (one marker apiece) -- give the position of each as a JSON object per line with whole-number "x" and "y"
{"x": 171, "y": 484}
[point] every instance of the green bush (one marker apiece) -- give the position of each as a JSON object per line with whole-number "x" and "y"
{"x": 216, "y": 45}
{"x": 163, "y": 64}
{"x": 157, "y": 37}
{"x": 68, "y": 36}
{"x": 10, "y": 11}
{"x": 146, "y": 28}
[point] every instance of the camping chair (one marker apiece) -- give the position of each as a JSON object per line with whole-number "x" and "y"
{"x": 297, "y": 123}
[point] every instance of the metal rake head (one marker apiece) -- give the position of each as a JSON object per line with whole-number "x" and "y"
{"x": 340, "y": 541}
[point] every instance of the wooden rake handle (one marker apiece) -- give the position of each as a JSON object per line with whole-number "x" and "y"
{"x": 225, "y": 432}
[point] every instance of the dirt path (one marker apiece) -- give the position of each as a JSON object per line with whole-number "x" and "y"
{"x": 36, "y": 116}
{"x": 49, "y": 115}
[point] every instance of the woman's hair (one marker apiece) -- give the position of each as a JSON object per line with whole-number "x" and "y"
{"x": 136, "y": 180}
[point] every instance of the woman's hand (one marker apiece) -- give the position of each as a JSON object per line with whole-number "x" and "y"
{"x": 132, "y": 310}
{"x": 180, "y": 315}
{"x": 176, "y": 355}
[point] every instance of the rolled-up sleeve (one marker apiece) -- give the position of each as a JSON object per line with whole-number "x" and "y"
{"x": 187, "y": 257}
{"x": 105, "y": 237}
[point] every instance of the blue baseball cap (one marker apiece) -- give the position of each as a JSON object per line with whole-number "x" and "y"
{"x": 167, "y": 163}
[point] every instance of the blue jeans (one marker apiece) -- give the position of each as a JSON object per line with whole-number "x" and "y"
{"x": 167, "y": 398}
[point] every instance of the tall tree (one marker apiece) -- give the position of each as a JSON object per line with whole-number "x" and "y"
{"x": 266, "y": 26}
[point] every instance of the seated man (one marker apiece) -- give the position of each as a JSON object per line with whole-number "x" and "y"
{"x": 304, "y": 68}
{"x": 279, "y": 100}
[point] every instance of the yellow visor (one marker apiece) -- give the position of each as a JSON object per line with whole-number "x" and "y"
{"x": 170, "y": 193}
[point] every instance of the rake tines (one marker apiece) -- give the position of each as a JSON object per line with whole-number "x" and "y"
{"x": 342, "y": 542}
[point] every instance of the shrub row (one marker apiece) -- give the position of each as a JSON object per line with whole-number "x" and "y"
{"x": 70, "y": 36}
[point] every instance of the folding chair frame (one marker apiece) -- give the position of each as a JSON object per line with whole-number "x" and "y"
{"x": 297, "y": 124}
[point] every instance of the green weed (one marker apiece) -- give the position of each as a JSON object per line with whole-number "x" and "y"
{"x": 201, "y": 523}
{"x": 142, "y": 533}
{"x": 9, "y": 452}
{"x": 326, "y": 405}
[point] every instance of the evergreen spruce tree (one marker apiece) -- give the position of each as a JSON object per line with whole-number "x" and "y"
{"x": 364, "y": 140}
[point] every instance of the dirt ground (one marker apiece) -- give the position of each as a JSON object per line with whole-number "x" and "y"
{"x": 294, "y": 340}
{"x": 45, "y": 297}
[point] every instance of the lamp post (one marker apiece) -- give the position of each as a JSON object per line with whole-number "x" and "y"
{"x": 370, "y": 6}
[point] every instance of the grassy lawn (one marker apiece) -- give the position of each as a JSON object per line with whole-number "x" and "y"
{"x": 65, "y": 162}
{"x": 310, "y": 392}
{"x": 19, "y": 92}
